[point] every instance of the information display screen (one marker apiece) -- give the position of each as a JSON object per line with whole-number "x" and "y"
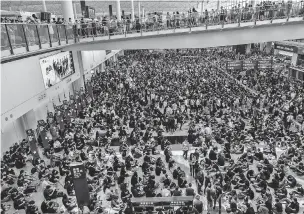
{"x": 234, "y": 65}
{"x": 264, "y": 64}
{"x": 56, "y": 67}
{"x": 249, "y": 64}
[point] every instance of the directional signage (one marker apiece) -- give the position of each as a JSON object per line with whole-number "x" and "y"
{"x": 248, "y": 65}
{"x": 262, "y": 64}
{"x": 234, "y": 65}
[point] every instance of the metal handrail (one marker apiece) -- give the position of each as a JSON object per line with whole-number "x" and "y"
{"x": 23, "y": 35}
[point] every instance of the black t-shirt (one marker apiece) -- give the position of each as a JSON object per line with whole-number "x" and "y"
{"x": 221, "y": 160}
{"x": 176, "y": 193}
{"x": 125, "y": 193}
{"x": 293, "y": 181}
{"x": 250, "y": 210}
{"x": 279, "y": 207}
{"x": 259, "y": 155}
{"x": 44, "y": 207}
{"x": 212, "y": 155}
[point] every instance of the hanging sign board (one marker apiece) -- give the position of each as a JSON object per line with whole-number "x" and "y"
{"x": 234, "y": 65}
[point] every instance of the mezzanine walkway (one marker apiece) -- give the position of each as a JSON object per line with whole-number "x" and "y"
{"x": 187, "y": 37}
{"x": 199, "y": 37}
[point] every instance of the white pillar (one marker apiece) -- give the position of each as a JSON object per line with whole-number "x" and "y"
{"x": 132, "y": 10}
{"x": 75, "y": 11}
{"x": 67, "y": 7}
{"x": 294, "y": 59}
{"x": 143, "y": 13}
{"x": 218, "y": 5}
{"x": 44, "y": 6}
{"x": 118, "y": 12}
{"x": 262, "y": 45}
{"x": 139, "y": 9}
{"x": 276, "y": 52}
{"x": 29, "y": 120}
{"x": 200, "y": 7}
{"x": 268, "y": 47}
{"x": 248, "y": 48}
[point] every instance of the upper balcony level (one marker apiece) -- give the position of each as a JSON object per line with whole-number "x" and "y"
{"x": 17, "y": 39}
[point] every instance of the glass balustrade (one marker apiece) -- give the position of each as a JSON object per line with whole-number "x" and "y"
{"x": 43, "y": 31}
{"x": 5, "y": 46}
{"x": 31, "y": 35}
{"x": 54, "y": 36}
{"x": 20, "y": 38}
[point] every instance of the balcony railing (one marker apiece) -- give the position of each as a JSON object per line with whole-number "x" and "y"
{"x": 17, "y": 38}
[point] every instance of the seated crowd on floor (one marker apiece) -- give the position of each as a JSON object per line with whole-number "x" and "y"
{"x": 243, "y": 143}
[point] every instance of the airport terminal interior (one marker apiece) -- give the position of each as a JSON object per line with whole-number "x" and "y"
{"x": 152, "y": 107}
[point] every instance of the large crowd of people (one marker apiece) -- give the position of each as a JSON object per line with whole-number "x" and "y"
{"x": 240, "y": 147}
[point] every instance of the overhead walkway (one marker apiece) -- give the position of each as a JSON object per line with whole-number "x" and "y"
{"x": 25, "y": 39}
{"x": 199, "y": 37}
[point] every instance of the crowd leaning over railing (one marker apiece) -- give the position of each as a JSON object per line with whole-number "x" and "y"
{"x": 262, "y": 11}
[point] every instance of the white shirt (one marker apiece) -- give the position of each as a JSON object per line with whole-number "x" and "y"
{"x": 208, "y": 131}
{"x": 174, "y": 106}
{"x": 166, "y": 193}
{"x": 169, "y": 111}
{"x": 44, "y": 184}
{"x": 56, "y": 144}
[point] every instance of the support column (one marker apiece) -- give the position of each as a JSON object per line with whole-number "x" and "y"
{"x": 268, "y": 47}
{"x": 248, "y": 48}
{"x": 199, "y": 7}
{"x": 218, "y": 6}
{"x": 276, "y": 52}
{"x": 262, "y": 45}
{"x": 294, "y": 59}
{"x": 29, "y": 120}
{"x": 78, "y": 68}
{"x": 44, "y": 6}
{"x": 118, "y": 12}
{"x": 139, "y": 9}
{"x": 143, "y": 14}
{"x": 75, "y": 11}
{"x": 132, "y": 10}
{"x": 67, "y": 7}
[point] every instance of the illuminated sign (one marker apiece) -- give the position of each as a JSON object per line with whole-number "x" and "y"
{"x": 286, "y": 48}
{"x": 247, "y": 65}
{"x": 237, "y": 65}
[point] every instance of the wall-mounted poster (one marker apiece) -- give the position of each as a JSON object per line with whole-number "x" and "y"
{"x": 56, "y": 67}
